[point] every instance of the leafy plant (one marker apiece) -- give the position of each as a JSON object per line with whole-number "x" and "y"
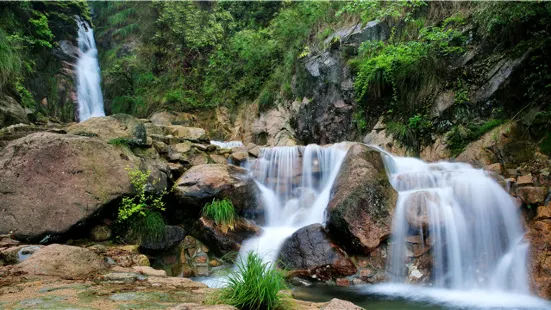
{"x": 122, "y": 141}
{"x": 222, "y": 213}
{"x": 142, "y": 212}
{"x": 254, "y": 285}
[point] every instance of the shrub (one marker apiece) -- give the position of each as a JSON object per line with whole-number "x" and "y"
{"x": 222, "y": 213}
{"x": 254, "y": 285}
{"x": 121, "y": 141}
{"x": 142, "y": 212}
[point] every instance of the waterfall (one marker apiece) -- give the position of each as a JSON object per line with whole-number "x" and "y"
{"x": 227, "y": 144}
{"x": 295, "y": 184}
{"x": 467, "y": 220}
{"x": 90, "y": 99}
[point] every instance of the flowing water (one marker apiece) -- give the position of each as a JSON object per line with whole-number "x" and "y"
{"x": 227, "y": 144}
{"x": 90, "y": 99}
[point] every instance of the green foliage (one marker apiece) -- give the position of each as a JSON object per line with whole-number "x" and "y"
{"x": 10, "y": 63}
{"x": 142, "y": 212}
{"x": 254, "y": 285}
{"x": 222, "y": 213}
{"x": 460, "y": 136}
{"x": 382, "y": 10}
{"x": 545, "y": 145}
{"x": 128, "y": 142}
{"x": 358, "y": 118}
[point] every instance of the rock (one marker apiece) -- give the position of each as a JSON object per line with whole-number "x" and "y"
{"x": 17, "y": 254}
{"x": 181, "y": 147}
{"x": 51, "y": 183}
{"x": 481, "y": 153}
{"x": 191, "y": 306}
{"x": 11, "y": 112}
{"x": 173, "y": 118}
{"x": 442, "y": 103}
{"x": 343, "y": 282}
{"x": 495, "y": 168}
{"x": 532, "y": 195}
{"x": 161, "y": 147}
{"x": 218, "y": 159}
{"x": 543, "y": 213}
{"x": 223, "y": 242}
{"x": 524, "y": 180}
{"x": 539, "y": 236}
{"x": 188, "y": 133}
{"x": 148, "y": 271}
{"x": 175, "y": 282}
{"x": 100, "y": 233}
{"x": 173, "y": 235}
{"x": 201, "y": 184}
{"x": 360, "y": 210}
{"x": 121, "y": 277}
{"x": 337, "y": 304}
{"x": 112, "y": 127}
{"x": 63, "y": 261}
{"x": 239, "y": 157}
{"x": 310, "y": 252}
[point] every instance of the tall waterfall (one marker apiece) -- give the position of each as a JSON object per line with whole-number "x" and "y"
{"x": 90, "y": 99}
{"x": 468, "y": 220}
{"x": 295, "y": 183}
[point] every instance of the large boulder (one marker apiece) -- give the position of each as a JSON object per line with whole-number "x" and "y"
{"x": 108, "y": 128}
{"x": 360, "y": 210}
{"x": 11, "y": 112}
{"x": 52, "y": 182}
{"x": 310, "y": 252}
{"x": 63, "y": 261}
{"x": 201, "y": 184}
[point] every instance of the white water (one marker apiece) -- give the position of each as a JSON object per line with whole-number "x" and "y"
{"x": 227, "y": 144}
{"x": 295, "y": 183}
{"x": 474, "y": 230}
{"x": 90, "y": 99}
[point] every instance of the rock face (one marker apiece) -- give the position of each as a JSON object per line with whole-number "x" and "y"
{"x": 52, "y": 182}
{"x": 201, "y": 184}
{"x": 63, "y": 261}
{"x": 310, "y": 252}
{"x": 360, "y": 210}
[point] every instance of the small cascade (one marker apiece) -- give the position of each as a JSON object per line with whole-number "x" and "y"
{"x": 467, "y": 223}
{"x": 295, "y": 183}
{"x": 227, "y": 144}
{"x": 90, "y": 99}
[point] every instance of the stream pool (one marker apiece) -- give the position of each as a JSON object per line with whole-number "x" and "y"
{"x": 406, "y": 297}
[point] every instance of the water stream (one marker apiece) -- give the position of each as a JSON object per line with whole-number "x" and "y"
{"x": 89, "y": 96}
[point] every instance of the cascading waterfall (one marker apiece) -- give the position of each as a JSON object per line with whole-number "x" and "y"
{"x": 295, "y": 183}
{"x": 90, "y": 99}
{"x": 470, "y": 222}
{"x": 470, "y": 228}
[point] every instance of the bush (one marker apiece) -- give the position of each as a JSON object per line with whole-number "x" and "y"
{"x": 254, "y": 285}
{"x": 222, "y": 213}
{"x": 128, "y": 142}
{"x": 142, "y": 212}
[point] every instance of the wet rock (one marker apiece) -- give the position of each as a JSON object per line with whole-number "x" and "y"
{"x": 63, "y": 261}
{"x": 201, "y": 184}
{"x": 495, "y": 168}
{"x": 172, "y": 236}
{"x": 100, "y": 233}
{"x": 338, "y": 304}
{"x": 239, "y": 157}
{"x": 532, "y": 195}
{"x": 310, "y": 252}
{"x": 539, "y": 236}
{"x": 360, "y": 210}
{"x": 51, "y": 183}
{"x": 220, "y": 241}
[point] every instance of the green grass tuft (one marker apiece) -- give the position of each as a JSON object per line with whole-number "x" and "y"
{"x": 122, "y": 141}
{"x": 222, "y": 213}
{"x": 254, "y": 285}
{"x": 149, "y": 228}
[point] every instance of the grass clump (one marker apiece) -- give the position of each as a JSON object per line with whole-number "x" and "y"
{"x": 122, "y": 141}
{"x": 222, "y": 213}
{"x": 142, "y": 212}
{"x": 254, "y": 285}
